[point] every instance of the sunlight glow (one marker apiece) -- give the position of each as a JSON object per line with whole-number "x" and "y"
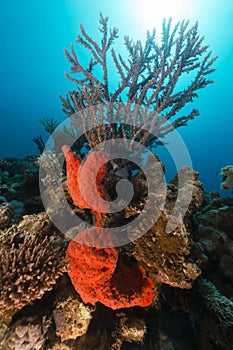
{"x": 149, "y": 13}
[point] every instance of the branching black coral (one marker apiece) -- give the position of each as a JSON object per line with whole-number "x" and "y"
{"x": 149, "y": 76}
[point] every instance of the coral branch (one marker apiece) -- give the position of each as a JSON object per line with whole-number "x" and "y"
{"x": 148, "y": 76}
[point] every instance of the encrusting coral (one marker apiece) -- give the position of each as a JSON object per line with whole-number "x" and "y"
{"x": 30, "y": 262}
{"x": 166, "y": 255}
{"x": 72, "y": 318}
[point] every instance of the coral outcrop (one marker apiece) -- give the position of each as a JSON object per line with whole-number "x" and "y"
{"x": 168, "y": 256}
{"x": 78, "y": 311}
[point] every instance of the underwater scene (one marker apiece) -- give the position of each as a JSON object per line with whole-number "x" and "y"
{"x": 116, "y": 175}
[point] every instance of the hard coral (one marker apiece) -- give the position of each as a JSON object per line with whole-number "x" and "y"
{"x": 96, "y": 276}
{"x": 27, "y": 334}
{"x": 148, "y": 76}
{"x": 30, "y": 262}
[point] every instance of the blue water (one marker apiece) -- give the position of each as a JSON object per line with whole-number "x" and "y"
{"x": 32, "y": 66}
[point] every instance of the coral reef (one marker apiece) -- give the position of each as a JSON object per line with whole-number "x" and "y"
{"x": 19, "y": 185}
{"x": 76, "y": 290}
{"x": 214, "y": 239}
{"x": 203, "y": 240}
{"x": 30, "y": 262}
{"x": 209, "y": 302}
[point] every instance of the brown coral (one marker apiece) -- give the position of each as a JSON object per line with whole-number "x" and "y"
{"x": 30, "y": 262}
{"x": 166, "y": 254}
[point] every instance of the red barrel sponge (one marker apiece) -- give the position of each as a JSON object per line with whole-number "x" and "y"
{"x": 97, "y": 275}
{"x": 84, "y": 180}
